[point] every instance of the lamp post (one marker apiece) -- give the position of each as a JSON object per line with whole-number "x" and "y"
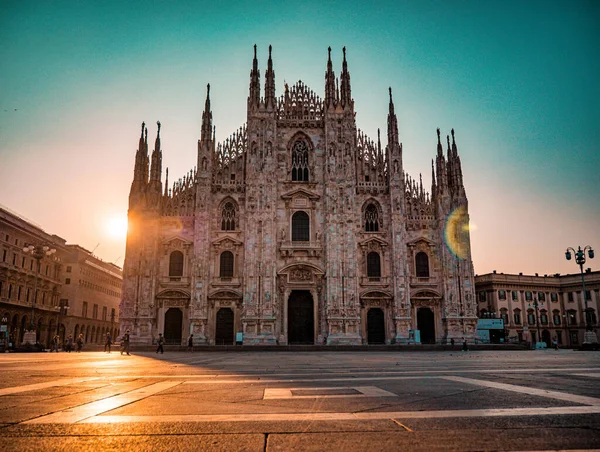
{"x": 62, "y": 311}
{"x": 38, "y": 251}
{"x": 590, "y": 336}
{"x": 537, "y": 319}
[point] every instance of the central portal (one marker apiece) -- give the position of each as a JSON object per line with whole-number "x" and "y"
{"x": 301, "y": 318}
{"x": 426, "y": 323}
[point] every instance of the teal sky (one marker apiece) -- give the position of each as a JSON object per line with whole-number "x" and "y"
{"x": 519, "y": 82}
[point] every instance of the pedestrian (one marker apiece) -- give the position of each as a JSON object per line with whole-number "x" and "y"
{"x": 55, "y": 341}
{"x": 191, "y": 343}
{"x": 69, "y": 343}
{"x": 108, "y": 342}
{"x": 160, "y": 342}
{"x": 465, "y": 347}
{"x": 555, "y": 343}
{"x": 79, "y": 343}
{"x": 125, "y": 343}
{"x": 452, "y": 342}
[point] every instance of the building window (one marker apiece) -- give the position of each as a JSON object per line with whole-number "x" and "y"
{"x": 572, "y": 316}
{"x": 68, "y": 281}
{"x": 19, "y": 293}
{"x": 226, "y": 265}
{"x": 23, "y": 262}
{"x": 554, "y": 296}
{"x": 95, "y": 312}
{"x": 14, "y": 259}
{"x": 176, "y": 265}
{"x": 373, "y": 265}
{"x": 590, "y": 316}
{"x": 84, "y": 309}
{"x": 502, "y": 294}
{"x": 300, "y": 161}
{"x": 68, "y": 269}
{"x": 528, "y": 296}
{"x": 300, "y": 227}
{"x": 481, "y": 296}
{"x": 104, "y": 312}
{"x": 504, "y": 316}
{"x": 541, "y": 296}
{"x": 543, "y": 317}
{"x": 4, "y": 256}
{"x": 422, "y": 264}
{"x": 574, "y": 338}
{"x": 371, "y": 219}
{"x": 228, "y": 217}
{"x": 530, "y": 317}
{"x": 556, "y": 317}
{"x": 570, "y": 296}
{"x": 588, "y": 295}
{"x": 515, "y": 295}
{"x": 517, "y": 316}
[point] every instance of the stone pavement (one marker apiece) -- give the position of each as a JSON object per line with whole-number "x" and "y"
{"x": 478, "y": 400}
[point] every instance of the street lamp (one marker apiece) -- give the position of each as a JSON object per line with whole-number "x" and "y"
{"x": 590, "y": 337}
{"x": 537, "y": 319}
{"x": 38, "y": 251}
{"x": 62, "y": 311}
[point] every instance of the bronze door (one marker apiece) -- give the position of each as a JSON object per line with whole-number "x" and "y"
{"x": 301, "y": 319}
{"x": 224, "y": 330}
{"x": 173, "y": 326}
{"x": 375, "y": 326}
{"x": 426, "y": 324}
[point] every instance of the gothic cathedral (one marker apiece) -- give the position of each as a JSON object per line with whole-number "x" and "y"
{"x": 298, "y": 229}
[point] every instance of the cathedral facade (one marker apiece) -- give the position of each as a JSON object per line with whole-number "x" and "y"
{"x": 298, "y": 229}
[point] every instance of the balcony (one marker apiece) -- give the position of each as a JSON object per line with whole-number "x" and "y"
{"x": 430, "y": 281}
{"x": 301, "y": 249}
{"x": 174, "y": 281}
{"x": 381, "y": 281}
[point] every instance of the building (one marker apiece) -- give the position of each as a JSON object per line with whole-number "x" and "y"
{"x": 67, "y": 279}
{"x": 561, "y": 307}
{"x": 92, "y": 290}
{"x": 298, "y": 229}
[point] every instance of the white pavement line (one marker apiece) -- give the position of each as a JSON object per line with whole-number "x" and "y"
{"x": 91, "y": 409}
{"x": 364, "y": 391}
{"x": 289, "y": 417}
{"x": 48, "y": 384}
{"x": 526, "y": 390}
{"x": 592, "y": 375}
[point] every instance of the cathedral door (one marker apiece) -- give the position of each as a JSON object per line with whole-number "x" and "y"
{"x": 173, "y": 326}
{"x": 224, "y": 334}
{"x": 426, "y": 324}
{"x": 375, "y": 326}
{"x": 301, "y": 319}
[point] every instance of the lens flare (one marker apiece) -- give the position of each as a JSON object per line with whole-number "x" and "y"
{"x": 456, "y": 232}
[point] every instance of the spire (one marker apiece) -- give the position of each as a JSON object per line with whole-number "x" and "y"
{"x": 345, "y": 92}
{"x": 432, "y": 178}
{"x": 167, "y": 182}
{"x": 141, "y": 158}
{"x": 329, "y": 82}
{"x": 254, "y": 97}
{"x": 454, "y": 150}
{"x": 440, "y": 151}
{"x": 156, "y": 168}
{"x": 392, "y": 123}
{"x": 379, "y": 140}
{"x": 270, "y": 83}
{"x": 206, "y": 117}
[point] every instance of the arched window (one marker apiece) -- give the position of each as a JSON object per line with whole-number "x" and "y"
{"x": 373, "y": 265}
{"x": 228, "y": 217}
{"x": 517, "y": 316}
{"x": 590, "y": 317}
{"x": 530, "y": 317}
{"x": 422, "y": 262}
{"x": 504, "y": 315}
{"x": 572, "y": 316}
{"x": 556, "y": 317}
{"x": 300, "y": 227}
{"x": 226, "y": 267}
{"x": 176, "y": 264}
{"x": 300, "y": 161}
{"x": 544, "y": 317}
{"x": 371, "y": 219}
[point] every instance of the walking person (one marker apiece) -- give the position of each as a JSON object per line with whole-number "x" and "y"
{"x": 54, "y": 346}
{"x": 555, "y": 343}
{"x": 125, "y": 343}
{"x": 79, "y": 343}
{"x": 69, "y": 343}
{"x": 191, "y": 343}
{"x": 465, "y": 347}
{"x": 108, "y": 342}
{"x": 160, "y": 342}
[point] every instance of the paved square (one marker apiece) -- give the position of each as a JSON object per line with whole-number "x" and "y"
{"x": 429, "y": 401}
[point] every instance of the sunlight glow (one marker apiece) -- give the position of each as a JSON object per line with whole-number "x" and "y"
{"x": 116, "y": 226}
